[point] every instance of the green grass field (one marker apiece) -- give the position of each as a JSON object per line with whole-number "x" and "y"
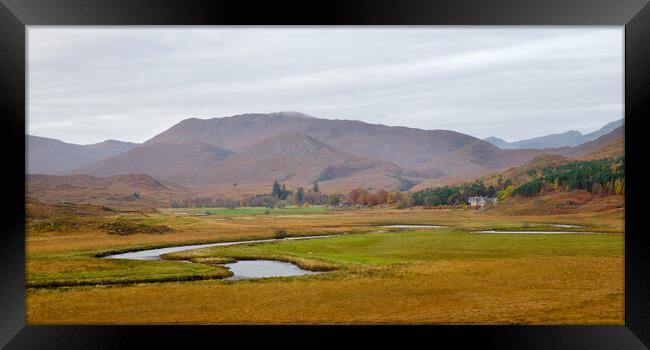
{"x": 422, "y": 246}
{"x": 248, "y": 211}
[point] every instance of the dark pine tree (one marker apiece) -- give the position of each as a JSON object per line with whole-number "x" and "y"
{"x": 300, "y": 196}
{"x": 277, "y": 190}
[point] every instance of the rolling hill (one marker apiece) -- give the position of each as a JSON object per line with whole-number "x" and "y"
{"x": 54, "y": 157}
{"x": 180, "y": 162}
{"x": 121, "y": 191}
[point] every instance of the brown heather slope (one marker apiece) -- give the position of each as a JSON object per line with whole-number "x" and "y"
{"x": 451, "y": 180}
{"x": 178, "y": 162}
{"x": 293, "y": 158}
{"x": 471, "y": 162}
{"x": 121, "y": 191}
{"x": 38, "y": 210}
{"x": 562, "y": 202}
{"x": 607, "y": 146}
{"x": 476, "y": 156}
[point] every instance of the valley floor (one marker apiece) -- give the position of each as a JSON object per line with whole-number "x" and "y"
{"x": 377, "y": 275}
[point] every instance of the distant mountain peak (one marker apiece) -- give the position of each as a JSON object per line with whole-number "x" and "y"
{"x": 569, "y": 138}
{"x": 292, "y": 114}
{"x": 501, "y": 143}
{"x": 280, "y": 114}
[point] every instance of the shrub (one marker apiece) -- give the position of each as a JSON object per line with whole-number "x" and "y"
{"x": 61, "y": 223}
{"x": 124, "y": 228}
{"x": 279, "y": 234}
{"x": 505, "y": 193}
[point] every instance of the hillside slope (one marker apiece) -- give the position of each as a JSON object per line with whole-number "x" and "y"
{"x": 180, "y": 162}
{"x": 49, "y": 156}
{"x": 608, "y": 145}
{"x": 121, "y": 191}
{"x": 485, "y": 162}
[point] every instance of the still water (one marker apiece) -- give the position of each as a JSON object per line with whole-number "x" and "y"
{"x": 243, "y": 269}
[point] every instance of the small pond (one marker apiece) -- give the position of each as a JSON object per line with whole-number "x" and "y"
{"x": 245, "y": 269}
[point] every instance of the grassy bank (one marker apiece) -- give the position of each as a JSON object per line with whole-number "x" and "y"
{"x": 420, "y": 246}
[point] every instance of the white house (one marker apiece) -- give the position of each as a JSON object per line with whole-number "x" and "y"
{"x": 481, "y": 201}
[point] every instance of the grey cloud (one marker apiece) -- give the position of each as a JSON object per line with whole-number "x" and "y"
{"x": 91, "y": 83}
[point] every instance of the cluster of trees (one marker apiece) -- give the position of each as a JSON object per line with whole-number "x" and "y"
{"x": 596, "y": 176}
{"x": 280, "y": 192}
{"x": 452, "y": 195}
{"x": 283, "y": 196}
{"x": 361, "y": 196}
{"x": 400, "y": 199}
{"x": 529, "y": 188}
{"x": 366, "y": 197}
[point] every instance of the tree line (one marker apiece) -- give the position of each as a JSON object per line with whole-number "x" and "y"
{"x": 596, "y": 176}
{"x": 453, "y": 195}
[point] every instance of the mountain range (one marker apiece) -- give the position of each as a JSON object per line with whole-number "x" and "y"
{"x": 246, "y": 153}
{"x": 570, "y": 138}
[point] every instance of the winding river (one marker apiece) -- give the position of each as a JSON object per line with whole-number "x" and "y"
{"x": 243, "y": 269}
{"x": 246, "y": 269}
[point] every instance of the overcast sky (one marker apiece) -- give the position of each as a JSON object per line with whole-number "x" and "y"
{"x": 89, "y": 84}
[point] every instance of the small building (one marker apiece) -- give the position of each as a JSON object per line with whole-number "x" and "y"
{"x": 482, "y": 201}
{"x": 341, "y": 204}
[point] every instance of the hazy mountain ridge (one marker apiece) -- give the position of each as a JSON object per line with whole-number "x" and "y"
{"x": 51, "y": 156}
{"x": 569, "y": 138}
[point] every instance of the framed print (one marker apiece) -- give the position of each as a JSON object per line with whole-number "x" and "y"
{"x": 463, "y": 170}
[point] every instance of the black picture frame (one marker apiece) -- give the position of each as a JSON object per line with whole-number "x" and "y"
{"x": 15, "y": 15}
